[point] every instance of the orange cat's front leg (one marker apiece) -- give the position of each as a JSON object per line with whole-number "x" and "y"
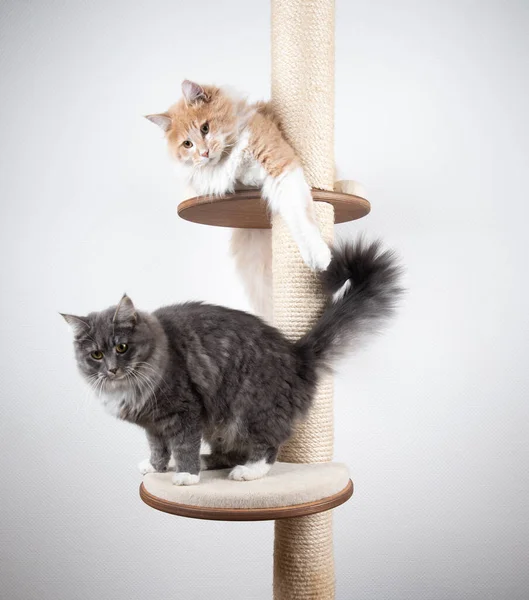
{"x": 287, "y": 191}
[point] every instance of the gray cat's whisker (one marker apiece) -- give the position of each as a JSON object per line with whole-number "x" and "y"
{"x": 149, "y": 384}
{"x": 143, "y": 364}
{"x": 138, "y": 381}
{"x": 99, "y": 386}
{"x": 148, "y": 365}
{"x": 87, "y": 392}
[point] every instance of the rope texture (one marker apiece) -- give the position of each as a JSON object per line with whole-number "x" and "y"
{"x": 304, "y": 559}
{"x": 303, "y": 96}
{"x": 298, "y": 302}
{"x": 303, "y": 82}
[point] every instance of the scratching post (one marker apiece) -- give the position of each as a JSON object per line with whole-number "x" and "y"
{"x": 303, "y": 97}
{"x": 298, "y": 302}
{"x": 303, "y": 82}
{"x": 303, "y": 547}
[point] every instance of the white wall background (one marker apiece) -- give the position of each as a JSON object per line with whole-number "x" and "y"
{"x": 432, "y": 101}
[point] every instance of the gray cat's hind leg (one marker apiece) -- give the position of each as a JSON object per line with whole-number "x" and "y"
{"x": 257, "y": 465}
{"x": 219, "y": 460}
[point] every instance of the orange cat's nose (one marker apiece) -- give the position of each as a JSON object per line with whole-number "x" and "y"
{"x": 205, "y": 154}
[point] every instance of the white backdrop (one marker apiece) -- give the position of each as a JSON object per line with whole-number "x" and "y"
{"x": 432, "y": 417}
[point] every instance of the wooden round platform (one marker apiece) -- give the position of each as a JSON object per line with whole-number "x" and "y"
{"x": 289, "y": 490}
{"x": 246, "y": 209}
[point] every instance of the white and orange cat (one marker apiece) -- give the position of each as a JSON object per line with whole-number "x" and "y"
{"x": 221, "y": 140}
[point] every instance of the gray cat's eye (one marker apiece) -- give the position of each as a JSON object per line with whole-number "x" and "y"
{"x": 97, "y": 355}
{"x": 205, "y": 128}
{"x": 187, "y": 144}
{"x": 122, "y": 348}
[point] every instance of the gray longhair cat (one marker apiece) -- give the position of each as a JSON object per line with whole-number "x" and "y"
{"x": 196, "y": 371}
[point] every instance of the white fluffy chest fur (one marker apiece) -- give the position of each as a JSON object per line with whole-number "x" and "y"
{"x": 113, "y": 401}
{"x": 119, "y": 402}
{"x": 222, "y": 178}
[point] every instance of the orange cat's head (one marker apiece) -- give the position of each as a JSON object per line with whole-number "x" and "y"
{"x": 202, "y": 126}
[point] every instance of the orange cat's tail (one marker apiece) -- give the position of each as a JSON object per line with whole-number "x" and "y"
{"x": 252, "y": 252}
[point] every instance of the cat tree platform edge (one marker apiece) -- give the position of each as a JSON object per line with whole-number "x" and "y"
{"x": 288, "y": 490}
{"x": 246, "y": 209}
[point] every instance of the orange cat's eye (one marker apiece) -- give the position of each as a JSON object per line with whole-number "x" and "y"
{"x": 205, "y": 128}
{"x": 187, "y": 144}
{"x": 97, "y": 354}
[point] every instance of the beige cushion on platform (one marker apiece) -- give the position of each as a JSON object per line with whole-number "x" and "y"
{"x": 348, "y": 186}
{"x": 286, "y": 484}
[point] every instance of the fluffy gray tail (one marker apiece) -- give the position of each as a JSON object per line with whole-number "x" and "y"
{"x": 362, "y": 283}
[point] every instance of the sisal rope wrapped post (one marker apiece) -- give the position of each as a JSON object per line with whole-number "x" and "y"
{"x": 303, "y": 96}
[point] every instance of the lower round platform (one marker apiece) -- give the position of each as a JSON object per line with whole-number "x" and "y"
{"x": 289, "y": 490}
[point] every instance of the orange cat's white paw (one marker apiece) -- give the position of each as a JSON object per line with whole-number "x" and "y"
{"x": 185, "y": 479}
{"x": 318, "y": 257}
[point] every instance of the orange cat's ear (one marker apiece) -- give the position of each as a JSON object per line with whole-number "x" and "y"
{"x": 163, "y": 120}
{"x": 193, "y": 92}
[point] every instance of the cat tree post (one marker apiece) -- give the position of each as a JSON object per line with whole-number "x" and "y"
{"x": 303, "y": 96}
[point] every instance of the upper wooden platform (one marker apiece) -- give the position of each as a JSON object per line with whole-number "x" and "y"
{"x": 246, "y": 209}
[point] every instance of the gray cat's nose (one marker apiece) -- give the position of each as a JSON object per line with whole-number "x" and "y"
{"x": 113, "y": 370}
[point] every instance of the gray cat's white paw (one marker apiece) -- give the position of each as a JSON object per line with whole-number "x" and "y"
{"x": 250, "y": 471}
{"x": 185, "y": 479}
{"x": 145, "y": 467}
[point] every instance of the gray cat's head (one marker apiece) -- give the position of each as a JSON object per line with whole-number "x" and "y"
{"x": 116, "y": 348}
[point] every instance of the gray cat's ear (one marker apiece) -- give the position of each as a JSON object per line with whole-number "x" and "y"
{"x": 125, "y": 312}
{"x": 193, "y": 92}
{"x": 78, "y": 324}
{"x": 163, "y": 120}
